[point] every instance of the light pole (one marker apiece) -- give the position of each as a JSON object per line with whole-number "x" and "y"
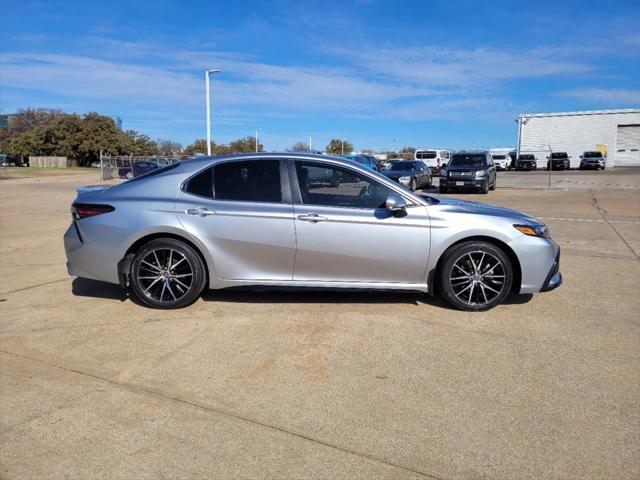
{"x": 257, "y": 130}
{"x": 342, "y": 147}
{"x": 310, "y": 148}
{"x": 208, "y": 100}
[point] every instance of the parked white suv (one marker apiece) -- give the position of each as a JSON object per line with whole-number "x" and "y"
{"x": 433, "y": 158}
{"x": 501, "y": 158}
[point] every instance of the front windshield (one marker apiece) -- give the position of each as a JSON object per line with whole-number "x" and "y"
{"x": 559, "y": 155}
{"x": 526, "y": 157}
{"x": 592, "y": 155}
{"x": 459, "y": 160}
{"x": 402, "y": 166}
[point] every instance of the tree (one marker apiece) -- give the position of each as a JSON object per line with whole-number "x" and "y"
{"x": 99, "y": 134}
{"x": 244, "y": 145}
{"x": 137, "y": 144}
{"x": 299, "y": 147}
{"x": 407, "y": 152}
{"x": 199, "y": 146}
{"x": 168, "y": 147}
{"x": 391, "y": 154}
{"x": 25, "y": 120}
{"x": 338, "y": 146}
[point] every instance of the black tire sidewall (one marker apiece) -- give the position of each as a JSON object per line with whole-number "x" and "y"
{"x": 199, "y": 274}
{"x": 456, "y": 252}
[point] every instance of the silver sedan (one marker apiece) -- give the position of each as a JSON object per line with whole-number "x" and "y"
{"x": 300, "y": 220}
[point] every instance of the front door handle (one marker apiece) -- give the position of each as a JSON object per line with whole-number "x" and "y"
{"x": 312, "y": 217}
{"x": 201, "y": 211}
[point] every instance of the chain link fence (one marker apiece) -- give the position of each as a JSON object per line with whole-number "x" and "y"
{"x": 114, "y": 167}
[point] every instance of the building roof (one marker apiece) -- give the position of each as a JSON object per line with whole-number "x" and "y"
{"x": 588, "y": 112}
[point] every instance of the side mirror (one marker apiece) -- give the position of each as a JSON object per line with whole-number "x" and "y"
{"x": 396, "y": 205}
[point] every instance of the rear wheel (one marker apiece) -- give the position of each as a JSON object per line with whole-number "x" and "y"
{"x": 167, "y": 273}
{"x": 475, "y": 276}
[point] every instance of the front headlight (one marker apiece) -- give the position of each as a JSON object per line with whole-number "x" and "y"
{"x": 481, "y": 174}
{"x": 541, "y": 231}
{"x": 404, "y": 179}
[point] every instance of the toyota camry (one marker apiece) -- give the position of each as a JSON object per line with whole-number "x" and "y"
{"x": 299, "y": 221}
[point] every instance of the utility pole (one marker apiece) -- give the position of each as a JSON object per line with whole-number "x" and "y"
{"x": 310, "y": 148}
{"x": 208, "y": 102}
{"x": 342, "y": 147}
{"x": 257, "y": 129}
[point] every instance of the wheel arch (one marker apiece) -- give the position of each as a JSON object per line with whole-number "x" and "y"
{"x": 517, "y": 269}
{"x": 125, "y": 264}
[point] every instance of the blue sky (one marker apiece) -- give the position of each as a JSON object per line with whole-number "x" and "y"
{"x": 381, "y": 73}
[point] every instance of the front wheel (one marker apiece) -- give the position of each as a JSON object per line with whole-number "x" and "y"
{"x": 475, "y": 276}
{"x": 167, "y": 273}
{"x": 484, "y": 189}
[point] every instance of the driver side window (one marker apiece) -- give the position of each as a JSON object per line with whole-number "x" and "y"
{"x": 332, "y": 186}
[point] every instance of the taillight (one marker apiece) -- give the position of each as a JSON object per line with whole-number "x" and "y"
{"x": 84, "y": 210}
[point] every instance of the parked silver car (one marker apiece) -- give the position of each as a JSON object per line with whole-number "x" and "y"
{"x": 300, "y": 220}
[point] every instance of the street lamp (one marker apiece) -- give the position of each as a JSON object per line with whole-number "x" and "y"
{"x": 257, "y": 130}
{"x": 208, "y": 100}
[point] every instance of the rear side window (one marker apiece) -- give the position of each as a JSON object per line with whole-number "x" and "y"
{"x": 249, "y": 181}
{"x": 425, "y": 155}
{"x": 201, "y": 184}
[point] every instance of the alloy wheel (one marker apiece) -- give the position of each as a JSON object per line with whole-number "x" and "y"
{"x": 477, "y": 278}
{"x": 165, "y": 275}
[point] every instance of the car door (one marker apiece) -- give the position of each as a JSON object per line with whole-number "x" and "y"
{"x": 423, "y": 174}
{"x": 345, "y": 234}
{"x": 492, "y": 170}
{"x": 241, "y": 210}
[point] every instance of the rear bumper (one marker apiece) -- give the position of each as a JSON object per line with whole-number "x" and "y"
{"x": 89, "y": 260}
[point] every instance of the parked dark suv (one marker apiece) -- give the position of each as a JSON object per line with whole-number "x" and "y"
{"x": 526, "y": 161}
{"x": 558, "y": 161}
{"x": 468, "y": 170}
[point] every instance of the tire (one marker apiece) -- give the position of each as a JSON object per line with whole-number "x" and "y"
{"x": 412, "y": 185}
{"x": 485, "y": 188}
{"x": 443, "y": 189}
{"x": 457, "y": 276}
{"x": 159, "y": 286}
{"x": 493, "y": 186}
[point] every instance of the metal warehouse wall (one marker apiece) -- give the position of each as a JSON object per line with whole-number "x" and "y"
{"x": 573, "y": 133}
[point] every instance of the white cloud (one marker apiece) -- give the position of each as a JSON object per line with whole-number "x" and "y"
{"x": 612, "y": 96}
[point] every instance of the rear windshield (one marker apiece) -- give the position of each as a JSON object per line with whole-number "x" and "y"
{"x": 426, "y": 154}
{"x": 559, "y": 155}
{"x": 404, "y": 166}
{"x": 527, "y": 157}
{"x": 459, "y": 160}
{"x": 151, "y": 173}
{"x": 592, "y": 155}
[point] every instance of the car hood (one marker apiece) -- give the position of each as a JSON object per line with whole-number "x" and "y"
{"x": 453, "y": 205}
{"x": 398, "y": 173}
{"x": 464, "y": 168}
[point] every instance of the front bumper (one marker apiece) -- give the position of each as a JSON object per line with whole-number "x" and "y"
{"x": 554, "y": 278}
{"x": 463, "y": 183}
{"x": 560, "y": 165}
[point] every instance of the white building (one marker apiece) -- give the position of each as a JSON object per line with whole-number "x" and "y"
{"x": 616, "y": 132}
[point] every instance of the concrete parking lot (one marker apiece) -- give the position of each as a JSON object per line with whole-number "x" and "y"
{"x": 325, "y": 385}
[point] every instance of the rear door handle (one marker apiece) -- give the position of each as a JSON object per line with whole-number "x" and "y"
{"x": 201, "y": 211}
{"x": 312, "y": 217}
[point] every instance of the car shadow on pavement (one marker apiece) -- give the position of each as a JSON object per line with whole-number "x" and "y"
{"x": 84, "y": 287}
